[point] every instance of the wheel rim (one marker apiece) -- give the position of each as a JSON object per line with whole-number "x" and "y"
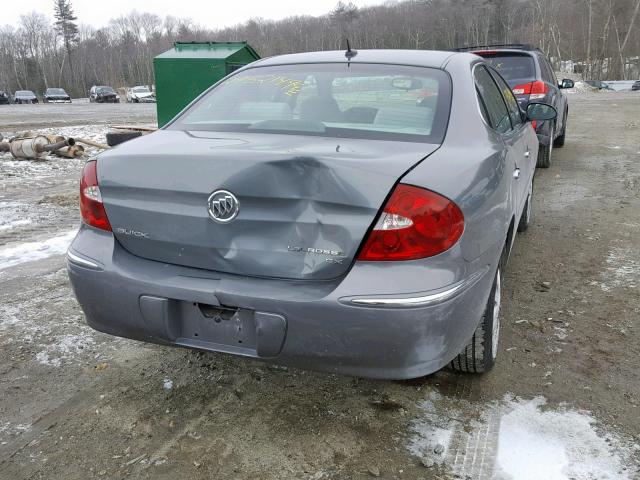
{"x": 495, "y": 333}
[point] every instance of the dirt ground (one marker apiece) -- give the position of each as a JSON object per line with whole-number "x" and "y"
{"x": 563, "y": 400}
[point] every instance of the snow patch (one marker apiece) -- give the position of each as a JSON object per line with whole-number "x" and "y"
{"x": 30, "y": 251}
{"x": 13, "y": 429}
{"x": 622, "y": 270}
{"x": 12, "y": 215}
{"x": 581, "y": 87}
{"x": 64, "y": 347}
{"x": 520, "y": 439}
{"x": 167, "y": 384}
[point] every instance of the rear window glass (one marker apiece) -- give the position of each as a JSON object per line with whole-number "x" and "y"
{"x": 387, "y": 102}
{"x": 511, "y": 66}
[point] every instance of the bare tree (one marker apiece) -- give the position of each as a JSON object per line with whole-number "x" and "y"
{"x": 600, "y": 36}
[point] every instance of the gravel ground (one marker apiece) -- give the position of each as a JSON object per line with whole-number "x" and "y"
{"x": 562, "y": 403}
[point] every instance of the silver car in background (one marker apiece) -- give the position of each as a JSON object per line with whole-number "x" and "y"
{"x": 140, "y": 94}
{"x": 351, "y": 213}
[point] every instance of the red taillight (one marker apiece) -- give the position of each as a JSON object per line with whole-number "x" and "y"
{"x": 536, "y": 90}
{"x": 534, "y": 124}
{"x": 91, "y": 206}
{"x": 415, "y": 223}
{"x": 524, "y": 89}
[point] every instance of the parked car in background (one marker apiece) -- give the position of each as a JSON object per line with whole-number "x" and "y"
{"x": 636, "y": 85}
{"x": 213, "y": 233}
{"x": 528, "y": 72}
{"x": 4, "y": 98}
{"x": 55, "y": 95}
{"x": 140, "y": 94}
{"x": 103, "y": 94}
{"x": 25, "y": 96}
{"x": 598, "y": 84}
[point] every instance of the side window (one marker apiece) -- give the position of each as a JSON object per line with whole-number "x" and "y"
{"x": 554, "y": 80}
{"x": 547, "y": 73}
{"x": 492, "y": 100}
{"x": 512, "y": 103}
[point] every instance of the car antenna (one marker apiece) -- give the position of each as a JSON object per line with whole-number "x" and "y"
{"x": 351, "y": 52}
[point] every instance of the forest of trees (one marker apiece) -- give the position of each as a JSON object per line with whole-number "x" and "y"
{"x": 54, "y": 48}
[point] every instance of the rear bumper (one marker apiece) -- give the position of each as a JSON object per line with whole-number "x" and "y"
{"x": 315, "y": 325}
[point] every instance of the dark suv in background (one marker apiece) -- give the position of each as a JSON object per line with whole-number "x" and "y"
{"x": 528, "y": 72}
{"x": 103, "y": 94}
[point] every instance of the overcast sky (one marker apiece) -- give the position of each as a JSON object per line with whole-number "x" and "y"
{"x": 211, "y": 14}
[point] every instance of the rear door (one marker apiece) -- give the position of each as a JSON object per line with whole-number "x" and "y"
{"x": 524, "y": 139}
{"x": 499, "y": 117}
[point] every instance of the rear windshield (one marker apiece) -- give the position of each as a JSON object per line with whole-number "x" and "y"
{"x": 106, "y": 90}
{"x": 24, "y": 93}
{"x": 511, "y": 66}
{"x": 56, "y": 91}
{"x": 387, "y": 102}
{"x": 140, "y": 89}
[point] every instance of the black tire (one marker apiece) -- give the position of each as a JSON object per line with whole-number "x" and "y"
{"x": 544, "y": 156}
{"x": 525, "y": 217}
{"x": 559, "y": 141}
{"x": 116, "y": 138}
{"x": 479, "y": 355}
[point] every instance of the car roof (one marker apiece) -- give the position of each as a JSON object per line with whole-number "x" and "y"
{"x": 420, "y": 58}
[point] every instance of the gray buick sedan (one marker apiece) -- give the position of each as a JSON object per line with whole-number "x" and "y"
{"x": 347, "y": 212}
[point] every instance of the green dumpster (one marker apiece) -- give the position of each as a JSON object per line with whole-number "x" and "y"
{"x": 189, "y": 68}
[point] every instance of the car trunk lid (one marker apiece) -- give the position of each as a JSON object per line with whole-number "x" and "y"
{"x": 306, "y": 202}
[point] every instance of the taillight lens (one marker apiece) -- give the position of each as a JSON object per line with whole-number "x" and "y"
{"x": 91, "y": 206}
{"x": 536, "y": 90}
{"x": 415, "y": 223}
{"x": 524, "y": 89}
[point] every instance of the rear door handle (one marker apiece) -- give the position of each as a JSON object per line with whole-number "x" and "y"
{"x": 516, "y": 173}
{"x": 527, "y": 154}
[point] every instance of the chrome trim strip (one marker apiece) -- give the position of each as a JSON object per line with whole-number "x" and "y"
{"x": 73, "y": 258}
{"x": 422, "y": 300}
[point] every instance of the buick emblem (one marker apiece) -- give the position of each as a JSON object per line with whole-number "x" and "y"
{"x": 223, "y": 206}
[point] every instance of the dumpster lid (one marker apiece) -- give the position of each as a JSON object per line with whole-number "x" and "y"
{"x": 207, "y": 50}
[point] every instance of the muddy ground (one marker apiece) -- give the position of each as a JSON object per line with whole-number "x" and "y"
{"x": 563, "y": 401}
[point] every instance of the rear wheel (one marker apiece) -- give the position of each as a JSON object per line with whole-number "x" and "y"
{"x": 544, "y": 152}
{"x": 525, "y": 218}
{"x": 480, "y": 353}
{"x": 559, "y": 142}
